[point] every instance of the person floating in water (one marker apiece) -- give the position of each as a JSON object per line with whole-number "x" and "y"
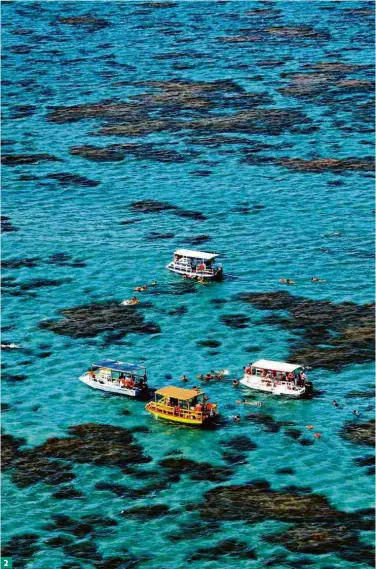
{"x": 235, "y": 383}
{"x": 253, "y": 403}
{"x": 317, "y": 280}
{"x": 184, "y": 378}
{"x": 334, "y": 402}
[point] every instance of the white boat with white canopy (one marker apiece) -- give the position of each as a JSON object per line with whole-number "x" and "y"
{"x": 120, "y": 378}
{"x": 277, "y": 378}
{"x": 195, "y": 265}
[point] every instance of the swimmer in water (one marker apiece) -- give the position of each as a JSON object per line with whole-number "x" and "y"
{"x": 253, "y": 403}
{"x": 235, "y": 383}
{"x": 334, "y": 402}
{"x": 356, "y": 412}
{"x": 236, "y": 418}
{"x": 317, "y": 280}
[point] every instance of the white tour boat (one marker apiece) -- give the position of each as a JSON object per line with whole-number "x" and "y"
{"x": 277, "y": 378}
{"x": 120, "y": 378}
{"x": 195, "y": 265}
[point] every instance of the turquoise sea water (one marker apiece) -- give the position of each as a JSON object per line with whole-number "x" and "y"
{"x": 49, "y": 64}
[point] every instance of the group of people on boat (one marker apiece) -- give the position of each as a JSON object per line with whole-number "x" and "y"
{"x": 299, "y": 378}
{"x": 196, "y": 407}
{"x": 127, "y": 381}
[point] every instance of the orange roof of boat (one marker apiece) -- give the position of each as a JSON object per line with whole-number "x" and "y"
{"x": 178, "y": 392}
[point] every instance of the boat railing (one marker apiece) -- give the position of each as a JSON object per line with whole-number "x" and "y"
{"x": 184, "y": 265}
{"x": 173, "y": 411}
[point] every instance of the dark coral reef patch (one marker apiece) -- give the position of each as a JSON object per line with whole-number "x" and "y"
{"x": 68, "y": 179}
{"x": 226, "y": 548}
{"x": 90, "y": 320}
{"x": 346, "y": 330}
{"x": 195, "y": 470}
{"x": 51, "y": 462}
{"x": 318, "y": 165}
{"x": 22, "y": 159}
{"x": 7, "y": 226}
{"x": 359, "y": 433}
{"x": 319, "y": 528}
{"x": 152, "y": 206}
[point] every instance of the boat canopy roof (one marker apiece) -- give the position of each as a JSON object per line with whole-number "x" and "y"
{"x": 178, "y": 393}
{"x": 195, "y": 254}
{"x": 120, "y": 366}
{"x": 276, "y": 366}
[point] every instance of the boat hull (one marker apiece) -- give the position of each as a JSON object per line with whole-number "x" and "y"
{"x": 205, "y": 424}
{"x": 207, "y": 275}
{"x": 114, "y": 389}
{"x": 273, "y": 387}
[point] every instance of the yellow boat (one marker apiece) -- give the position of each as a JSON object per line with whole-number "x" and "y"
{"x": 188, "y": 406}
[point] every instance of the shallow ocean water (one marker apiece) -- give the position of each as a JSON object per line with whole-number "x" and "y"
{"x": 50, "y": 65}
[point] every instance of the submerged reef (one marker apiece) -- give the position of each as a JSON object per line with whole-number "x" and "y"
{"x": 51, "y": 462}
{"x": 195, "y": 470}
{"x": 22, "y": 159}
{"x": 152, "y": 206}
{"x": 319, "y": 528}
{"x": 359, "y": 433}
{"x": 226, "y": 548}
{"x": 67, "y": 179}
{"x": 346, "y": 330}
{"x": 6, "y": 225}
{"x": 318, "y": 165}
{"x": 90, "y": 320}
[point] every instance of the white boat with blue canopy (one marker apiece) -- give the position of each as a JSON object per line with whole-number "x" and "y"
{"x": 277, "y": 378}
{"x": 197, "y": 265}
{"x": 120, "y": 378}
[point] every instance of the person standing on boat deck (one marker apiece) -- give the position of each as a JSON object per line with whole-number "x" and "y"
{"x": 291, "y": 376}
{"x": 302, "y": 378}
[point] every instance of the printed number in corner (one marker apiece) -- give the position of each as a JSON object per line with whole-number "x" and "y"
{"x": 6, "y": 563}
